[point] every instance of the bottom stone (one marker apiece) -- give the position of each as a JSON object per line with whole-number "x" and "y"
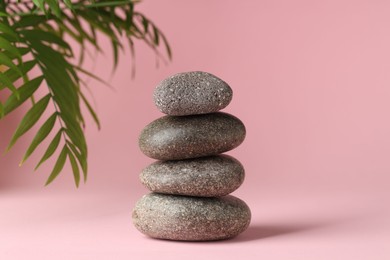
{"x": 190, "y": 218}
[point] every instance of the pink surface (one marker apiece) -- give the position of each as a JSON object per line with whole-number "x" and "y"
{"x": 311, "y": 82}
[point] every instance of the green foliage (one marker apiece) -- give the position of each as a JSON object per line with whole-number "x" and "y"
{"x": 33, "y": 38}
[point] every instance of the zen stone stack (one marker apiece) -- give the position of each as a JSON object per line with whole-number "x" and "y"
{"x": 191, "y": 182}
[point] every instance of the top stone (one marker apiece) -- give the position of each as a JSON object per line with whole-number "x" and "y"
{"x": 192, "y": 93}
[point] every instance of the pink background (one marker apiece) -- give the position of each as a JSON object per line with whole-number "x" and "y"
{"x": 311, "y": 81}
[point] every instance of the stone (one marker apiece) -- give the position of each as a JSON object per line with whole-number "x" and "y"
{"x": 190, "y": 218}
{"x": 212, "y": 176}
{"x": 184, "y": 137}
{"x": 192, "y": 93}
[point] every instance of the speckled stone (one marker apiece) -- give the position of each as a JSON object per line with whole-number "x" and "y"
{"x": 190, "y": 218}
{"x": 192, "y": 93}
{"x": 184, "y": 137}
{"x": 212, "y": 176}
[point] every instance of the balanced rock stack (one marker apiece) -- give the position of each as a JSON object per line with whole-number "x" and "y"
{"x": 191, "y": 181}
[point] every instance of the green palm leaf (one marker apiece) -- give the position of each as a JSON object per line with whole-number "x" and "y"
{"x": 91, "y": 110}
{"x": 54, "y": 6}
{"x": 39, "y": 4}
{"x": 44, "y": 36}
{"x": 29, "y": 120}
{"x": 30, "y": 21}
{"x": 43, "y": 132}
{"x": 34, "y": 41}
{"x": 58, "y": 166}
{"x": 5, "y": 29}
{"x": 51, "y": 149}
{"x": 75, "y": 168}
{"x": 4, "y": 59}
{"x": 81, "y": 160}
{"x": 24, "y": 92}
{"x": 25, "y": 68}
{"x": 6, "y": 45}
{"x": 5, "y": 82}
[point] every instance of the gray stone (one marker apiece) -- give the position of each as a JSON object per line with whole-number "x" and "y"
{"x": 184, "y": 137}
{"x": 192, "y": 93}
{"x": 190, "y": 218}
{"x": 212, "y": 176}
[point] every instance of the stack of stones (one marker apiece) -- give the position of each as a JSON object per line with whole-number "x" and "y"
{"x": 191, "y": 181}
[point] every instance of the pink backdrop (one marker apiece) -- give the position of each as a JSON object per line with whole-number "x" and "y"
{"x": 311, "y": 81}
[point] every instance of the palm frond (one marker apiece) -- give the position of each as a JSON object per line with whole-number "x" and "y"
{"x": 32, "y": 37}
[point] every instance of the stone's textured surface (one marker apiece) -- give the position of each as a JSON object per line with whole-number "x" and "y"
{"x": 190, "y": 186}
{"x": 190, "y": 218}
{"x": 184, "y": 137}
{"x": 192, "y": 93}
{"x": 212, "y": 176}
